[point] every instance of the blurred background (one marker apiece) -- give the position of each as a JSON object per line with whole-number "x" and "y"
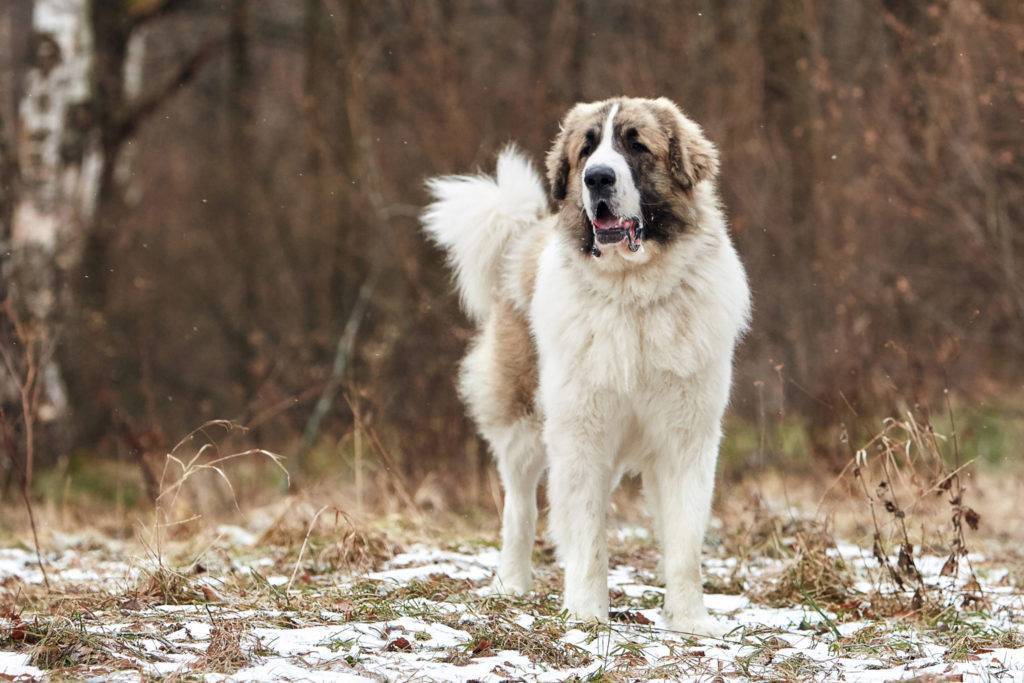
{"x": 208, "y": 210}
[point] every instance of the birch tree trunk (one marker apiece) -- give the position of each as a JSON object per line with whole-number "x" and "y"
{"x": 85, "y": 65}
{"x": 59, "y": 164}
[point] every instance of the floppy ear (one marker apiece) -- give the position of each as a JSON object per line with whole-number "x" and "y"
{"x": 558, "y": 166}
{"x": 692, "y": 157}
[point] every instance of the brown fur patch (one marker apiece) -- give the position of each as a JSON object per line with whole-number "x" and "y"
{"x": 526, "y": 278}
{"x": 506, "y": 354}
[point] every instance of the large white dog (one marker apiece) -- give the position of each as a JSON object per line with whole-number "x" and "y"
{"x": 606, "y": 335}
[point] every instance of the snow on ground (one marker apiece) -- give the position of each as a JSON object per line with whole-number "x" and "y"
{"x": 426, "y": 614}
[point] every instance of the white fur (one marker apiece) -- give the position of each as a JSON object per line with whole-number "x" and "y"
{"x": 474, "y": 216}
{"x": 635, "y": 368}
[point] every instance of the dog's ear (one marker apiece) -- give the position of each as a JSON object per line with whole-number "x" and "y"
{"x": 691, "y": 157}
{"x": 558, "y": 166}
{"x": 558, "y": 159}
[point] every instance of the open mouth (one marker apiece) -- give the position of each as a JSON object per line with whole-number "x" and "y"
{"x": 612, "y": 229}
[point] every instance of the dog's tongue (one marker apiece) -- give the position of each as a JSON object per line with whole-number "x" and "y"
{"x": 611, "y": 230}
{"x": 608, "y": 222}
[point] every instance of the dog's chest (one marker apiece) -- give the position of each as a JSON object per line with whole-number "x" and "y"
{"x": 607, "y": 345}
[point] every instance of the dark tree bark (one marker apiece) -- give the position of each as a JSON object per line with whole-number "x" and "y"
{"x": 790, "y": 113}
{"x": 113, "y": 104}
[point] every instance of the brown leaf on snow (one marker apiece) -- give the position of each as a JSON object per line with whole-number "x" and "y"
{"x": 398, "y": 644}
{"x": 18, "y": 632}
{"x": 630, "y": 617}
{"x": 210, "y": 595}
{"x": 131, "y": 605}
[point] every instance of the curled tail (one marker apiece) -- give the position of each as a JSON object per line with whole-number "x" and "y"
{"x": 475, "y": 216}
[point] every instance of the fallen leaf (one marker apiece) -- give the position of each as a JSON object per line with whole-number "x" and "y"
{"x": 398, "y": 644}
{"x": 211, "y": 595}
{"x": 972, "y": 518}
{"x": 631, "y": 617}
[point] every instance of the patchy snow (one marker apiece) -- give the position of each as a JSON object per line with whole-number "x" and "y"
{"x": 434, "y": 635}
{"x": 236, "y": 535}
{"x": 422, "y": 563}
{"x": 15, "y": 665}
{"x": 67, "y": 567}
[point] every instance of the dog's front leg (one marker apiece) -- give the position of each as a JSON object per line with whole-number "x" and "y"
{"x": 579, "y": 484}
{"x": 681, "y": 484}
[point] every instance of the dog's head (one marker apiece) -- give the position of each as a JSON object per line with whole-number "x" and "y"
{"x": 623, "y": 173}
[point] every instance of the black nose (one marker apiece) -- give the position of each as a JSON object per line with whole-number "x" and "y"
{"x": 599, "y": 178}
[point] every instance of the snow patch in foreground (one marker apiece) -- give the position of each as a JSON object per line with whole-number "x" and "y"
{"x": 329, "y": 645}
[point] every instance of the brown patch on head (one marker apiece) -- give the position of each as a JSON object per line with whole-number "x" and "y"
{"x": 667, "y": 153}
{"x": 564, "y": 156}
{"x": 693, "y": 158}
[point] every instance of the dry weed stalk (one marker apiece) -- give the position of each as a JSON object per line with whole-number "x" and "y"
{"x": 35, "y": 355}
{"x": 906, "y": 458}
{"x": 814, "y": 574}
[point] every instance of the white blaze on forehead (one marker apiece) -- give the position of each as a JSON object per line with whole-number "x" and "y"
{"x": 625, "y": 197}
{"x": 606, "y": 150}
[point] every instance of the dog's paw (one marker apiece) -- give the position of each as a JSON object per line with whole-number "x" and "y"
{"x": 702, "y": 626}
{"x": 585, "y": 608}
{"x": 508, "y": 586}
{"x": 587, "y": 616}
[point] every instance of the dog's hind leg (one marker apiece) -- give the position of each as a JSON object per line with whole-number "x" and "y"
{"x": 520, "y": 456}
{"x": 498, "y": 382}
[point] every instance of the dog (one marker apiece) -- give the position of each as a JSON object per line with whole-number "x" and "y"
{"x": 605, "y": 335}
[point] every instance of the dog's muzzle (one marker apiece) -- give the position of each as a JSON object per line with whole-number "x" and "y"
{"x": 611, "y": 229}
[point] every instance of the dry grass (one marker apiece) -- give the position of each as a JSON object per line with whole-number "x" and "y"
{"x": 315, "y": 546}
{"x": 814, "y": 576}
{"x": 328, "y": 539}
{"x": 224, "y": 654}
{"x": 164, "y": 586}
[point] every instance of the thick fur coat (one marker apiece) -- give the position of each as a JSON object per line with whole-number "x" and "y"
{"x": 606, "y": 336}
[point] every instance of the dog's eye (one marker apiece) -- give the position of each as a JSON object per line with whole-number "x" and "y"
{"x": 585, "y": 152}
{"x": 639, "y": 147}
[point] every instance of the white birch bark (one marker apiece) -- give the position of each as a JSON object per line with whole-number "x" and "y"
{"x": 60, "y": 164}
{"x": 58, "y": 160}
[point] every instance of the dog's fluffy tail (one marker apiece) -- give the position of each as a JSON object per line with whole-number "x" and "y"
{"x": 475, "y": 216}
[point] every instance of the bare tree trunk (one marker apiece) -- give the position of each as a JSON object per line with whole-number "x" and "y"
{"x": 60, "y": 163}
{"x": 241, "y": 174}
{"x": 790, "y": 110}
{"x": 333, "y": 36}
{"x": 80, "y": 105}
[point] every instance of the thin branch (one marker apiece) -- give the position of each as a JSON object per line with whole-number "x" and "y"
{"x": 142, "y": 12}
{"x": 343, "y": 352}
{"x": 12, "y": 453}
{"x": 148, "y": 104}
